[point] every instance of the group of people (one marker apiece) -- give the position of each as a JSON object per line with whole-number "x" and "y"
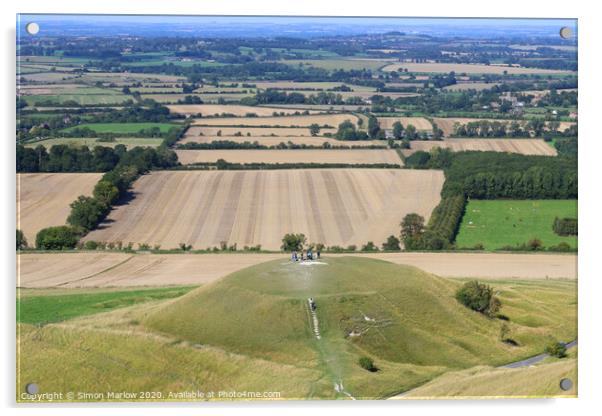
{"x": 305, "y": 255}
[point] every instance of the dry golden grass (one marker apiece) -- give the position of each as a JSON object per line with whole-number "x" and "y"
{"x": 237, "y": 110}
{"x": 469, "y": 68}
{"x": 106, "y": 269}
{"x": 486, "y": 382}
{"x": 97, "y": 358}
{"x": 349, "y": 156}
{"x": 420, "y": 123}
{"x": 323, "y": 119}
{"x": 521, "y": 146}
{"x": 43, "y": 198}
{"x": 332, "y": 206}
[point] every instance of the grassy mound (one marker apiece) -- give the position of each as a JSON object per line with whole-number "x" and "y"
{"x": 405, "y": 319}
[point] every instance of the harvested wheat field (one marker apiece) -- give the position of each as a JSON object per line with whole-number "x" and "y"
{"x": 104, "y": 269}
{"x": 196, "y": 131}
{"x": 469, "y": 68}
{"x": 521, "y": 146}
{"x": 464, "y": 86}
{"x": 447, "y": 124}
{"x": 237, "y": 110}
{"x": 351, "y": 156}
{"x": 43, "y": 198}
{"x": 332, "y": 120}
{"x": 331, "y": 206}
{"x": 420, "y": 123}
{"x": 276, "y": 140}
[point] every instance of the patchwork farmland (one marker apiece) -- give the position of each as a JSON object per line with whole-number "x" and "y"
{"x": 247, "y": 208}
{"x": 239, "y": 174}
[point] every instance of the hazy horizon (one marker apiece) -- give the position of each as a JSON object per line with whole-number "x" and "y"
{"x": 287, "y": 26}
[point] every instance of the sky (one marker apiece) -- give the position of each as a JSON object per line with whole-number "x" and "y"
{"x": 234, "y": 26}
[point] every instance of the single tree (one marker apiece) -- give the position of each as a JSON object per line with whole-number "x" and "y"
{"x": 293, "y": 242}
{"x": 479, "y": 297}
{"x": 411, "y": 132}
{"x": 397, "y": 130}
{"x": 412, "y": 226}
{"x": 373, "y": 127}
{"x": 392, "y": 244}
{"x": 314, "y": 129}
{"x": 556, "y": 349}
{"x": 57, "y": 238}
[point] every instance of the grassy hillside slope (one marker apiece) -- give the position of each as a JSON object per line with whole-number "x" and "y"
{"x": 479, "y": 382}
{"x": 405, "y": 319}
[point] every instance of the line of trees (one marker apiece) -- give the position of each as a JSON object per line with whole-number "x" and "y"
{"x": 442, "y": 227}
{"x": 221, "y": 164}
{"x": 491, "y": 175}
{"x": 486, "y": 175}
{"x": 516, "y": 128}
{"x": 64, "y": 158}
{"x": 89, "y": 211}
{"x": 229, "y": 144}
{"x": 297, "y": 242}
{"x": 444, "y": 224}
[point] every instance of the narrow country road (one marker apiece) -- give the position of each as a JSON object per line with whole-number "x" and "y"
{"x": 535, "y": 359}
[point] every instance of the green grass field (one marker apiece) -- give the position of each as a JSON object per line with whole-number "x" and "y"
{"x": 48, "y": 307}
{"x": 123, "y": 127}
{"x": 93, "y": 142}
{"x": 500, "y": 223}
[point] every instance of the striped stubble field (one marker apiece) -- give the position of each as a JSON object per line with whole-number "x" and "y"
{"x": 330, "y": 206}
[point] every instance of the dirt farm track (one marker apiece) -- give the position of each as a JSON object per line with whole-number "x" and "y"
{"x": 90, "y": 269}
{"x": 330, "y": 206}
